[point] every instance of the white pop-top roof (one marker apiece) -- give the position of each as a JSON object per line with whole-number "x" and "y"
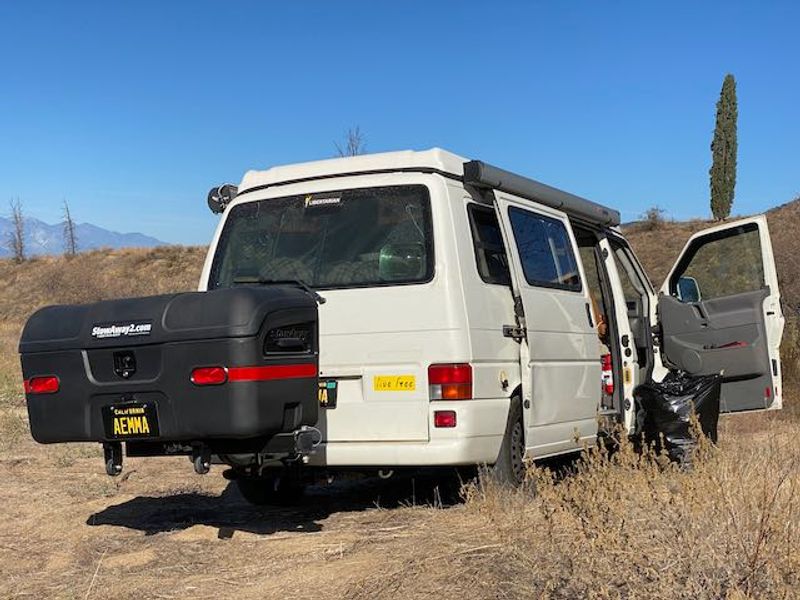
{"x": 405, "y": 160}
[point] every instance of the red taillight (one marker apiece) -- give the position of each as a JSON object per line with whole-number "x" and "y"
{"x": 209, "y": 376}
{"x": 42, "y": 385}
{"x": 220, "y": 375}
{"x": 450, "y": 381}
{"x": 607, "y": 375}
{"x": 270, "y": 372}
{"x": 444, "y": 418}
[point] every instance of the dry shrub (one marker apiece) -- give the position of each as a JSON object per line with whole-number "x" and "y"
{"x": 13, "y": 427}
{"x": 626, "y": 525}
{"x": 653, "y": 218}
{"x": 790, "y": 352}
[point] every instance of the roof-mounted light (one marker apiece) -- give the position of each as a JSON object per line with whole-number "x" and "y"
{"x": 219, "y": 197}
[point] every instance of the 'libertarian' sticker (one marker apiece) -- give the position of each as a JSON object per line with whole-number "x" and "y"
{"x": 121, "y": 330}
{"x": 313, "y": 200}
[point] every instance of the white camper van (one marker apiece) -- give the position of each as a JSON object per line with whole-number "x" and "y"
{"x": 474, "y": 316}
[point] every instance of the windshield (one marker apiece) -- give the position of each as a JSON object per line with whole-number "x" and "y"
{"x": 347, "y": 238}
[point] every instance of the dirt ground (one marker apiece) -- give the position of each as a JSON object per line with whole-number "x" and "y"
{"x": 161, "y": 531}
{"x": 617, "y": 527}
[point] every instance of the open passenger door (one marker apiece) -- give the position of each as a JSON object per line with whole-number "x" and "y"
{"x": 720, "y": 311}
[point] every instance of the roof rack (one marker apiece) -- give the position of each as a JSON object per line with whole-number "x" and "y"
{"x": 481, "y": 175}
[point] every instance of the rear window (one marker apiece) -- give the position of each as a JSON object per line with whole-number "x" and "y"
{"x": 347, "y": 238}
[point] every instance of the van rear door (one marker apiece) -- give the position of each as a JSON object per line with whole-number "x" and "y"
{"x": 720, "y": 311}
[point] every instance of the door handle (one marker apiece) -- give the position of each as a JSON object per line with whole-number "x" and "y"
{"x": 514, "y": 332}
{"x": 589, "y": 315}
{"x": 700, "y": 311}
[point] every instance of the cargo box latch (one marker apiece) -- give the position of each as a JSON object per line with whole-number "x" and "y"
{"x": 124, "y": 364}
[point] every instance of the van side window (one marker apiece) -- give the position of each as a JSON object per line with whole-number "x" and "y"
{"x": 723, "y": 265}
{"x": 490, "y": 251}
{"x": 545, "y": 251}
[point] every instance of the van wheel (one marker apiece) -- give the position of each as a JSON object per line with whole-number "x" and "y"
{"x": 270, "y": 490}
{"x": 510, "y": 466}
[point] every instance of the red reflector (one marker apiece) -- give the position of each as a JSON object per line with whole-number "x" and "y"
{"x": 209, "y": 376}
{"x": 454, "y": 373}
{"x": 269, "y": 372}
{"x": 444, "y": 418}
{"x": 767, "y": 392}
{"x": 42, "y": 385}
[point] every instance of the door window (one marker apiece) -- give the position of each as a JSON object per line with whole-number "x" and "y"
{"x": 545, "y": 251}
{"x": 720, "y": 265}
{"x": 490, "y": 252}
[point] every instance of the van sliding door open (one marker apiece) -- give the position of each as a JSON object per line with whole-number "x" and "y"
{"x": 720, "y": 311}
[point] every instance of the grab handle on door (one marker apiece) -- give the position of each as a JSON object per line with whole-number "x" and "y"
{"x": 700, "y": 313}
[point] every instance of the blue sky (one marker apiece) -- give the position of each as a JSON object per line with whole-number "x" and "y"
{"x": 132, "y": 111}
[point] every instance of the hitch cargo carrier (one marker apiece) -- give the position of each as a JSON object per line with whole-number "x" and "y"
{"x": 216, "y": 370}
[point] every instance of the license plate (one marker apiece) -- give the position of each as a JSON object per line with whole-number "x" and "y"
{"x": 327, "y": 394}
{"x": 130, "y": 420}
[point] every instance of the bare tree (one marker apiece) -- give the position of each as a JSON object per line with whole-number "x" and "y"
{"x": 354, "y": 143}
{"x": 16, "y": 237}
{"x": 70, "y": 237}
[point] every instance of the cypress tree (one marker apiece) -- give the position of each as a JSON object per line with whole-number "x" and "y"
{"x": 723, "y": 151}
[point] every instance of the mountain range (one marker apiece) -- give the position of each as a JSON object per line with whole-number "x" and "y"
{"x": 42, "y": 238}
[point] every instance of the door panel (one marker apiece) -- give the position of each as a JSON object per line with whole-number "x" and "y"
{"x": 720, "y": 313}
{"x": 560, "y": 358}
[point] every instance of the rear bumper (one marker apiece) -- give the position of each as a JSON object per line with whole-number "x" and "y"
{"x": 475, "y": 440}
{"x": 464, "y": 451}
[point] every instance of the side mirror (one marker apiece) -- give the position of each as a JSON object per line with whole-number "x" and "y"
{"x": 219, "y": 197}
{"x": 688, "y": 290}
{"x": 401, "y": 262}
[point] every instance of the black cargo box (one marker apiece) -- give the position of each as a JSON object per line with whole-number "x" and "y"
{"x": 229, "y": 364}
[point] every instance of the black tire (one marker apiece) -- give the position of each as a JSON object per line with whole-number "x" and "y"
{"x": 273, "y": 490}
{"x": 510, "y": 466}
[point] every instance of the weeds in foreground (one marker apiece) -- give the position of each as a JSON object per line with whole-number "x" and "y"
{"x": 625, "y": 524}
{"x": 630, "y": 523}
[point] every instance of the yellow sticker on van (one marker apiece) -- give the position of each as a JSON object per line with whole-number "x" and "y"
{"x": 394, "y": 383}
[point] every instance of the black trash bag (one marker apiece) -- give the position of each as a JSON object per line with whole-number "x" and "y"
{"x": 665, "y": 408}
